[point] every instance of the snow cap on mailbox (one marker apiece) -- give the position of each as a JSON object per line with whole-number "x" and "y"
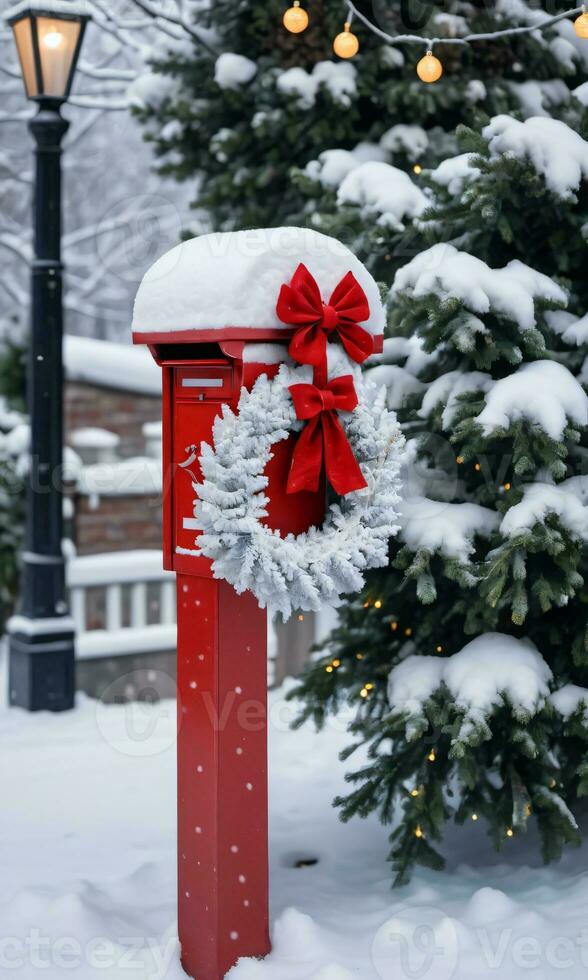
{"x": 225, "y": 286}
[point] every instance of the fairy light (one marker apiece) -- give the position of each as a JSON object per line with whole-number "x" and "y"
{"x": 418, "y": 832}
{"x": 366, "y": 604}
{"x": 295, "y": 19}
{"x": 359, "y": 656}
{"x": 369, "y": 687}
{"x": 429, "y": 68}
{"x": 336, "y": 663}
{"x": 477, "y": 467}
{"x": 432, "y": 755}
{"x": 506, "y": 486}
{"x": 329, "y": 669}
{"x": 394, "y": 626}
{"x": 408, "y": 631}
{"x": 474, "y": 817}
{"x": 459, "y": 460}
{"x": 346, "y": 44}
{"x": 417, "y": 169}
{"x": 581, "y": 24}
{"x": 439, "y": 648}
{"x": 364, "y": 693}
{"x": 378, "y": 604}
{"x": 414, "y": 792}
{"x": 510, "y": 832}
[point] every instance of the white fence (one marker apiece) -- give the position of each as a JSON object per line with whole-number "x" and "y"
{"x": 122, "y": 603}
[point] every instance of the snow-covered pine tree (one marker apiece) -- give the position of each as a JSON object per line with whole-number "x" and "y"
{"x": 248, "y": 100}
{"x": 12, "y": 401}
{"x": 467, "y": 658}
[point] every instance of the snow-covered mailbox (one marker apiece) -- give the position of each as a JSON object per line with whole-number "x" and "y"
{"x": 221, "y": 315}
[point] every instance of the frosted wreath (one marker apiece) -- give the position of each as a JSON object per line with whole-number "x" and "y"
{"x": 303, "y": 571}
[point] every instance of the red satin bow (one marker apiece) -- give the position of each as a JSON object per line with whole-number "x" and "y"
{"x": 301, "y": 303}
{"x": 323, "y": 439}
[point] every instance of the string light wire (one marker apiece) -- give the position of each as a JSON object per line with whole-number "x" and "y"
{"x": 430, "y": 42}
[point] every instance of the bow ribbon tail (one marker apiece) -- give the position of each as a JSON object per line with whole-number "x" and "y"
{"x": 343, "y": 470}
{"x": 358, "y": 343}
{"x": 309, "y": 345}
{"x": 307, "y": 458}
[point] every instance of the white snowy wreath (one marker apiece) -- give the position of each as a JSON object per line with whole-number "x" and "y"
{"x": 306, "y": 570}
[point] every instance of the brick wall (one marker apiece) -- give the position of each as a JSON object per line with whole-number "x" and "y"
{"x": 118, "y": 411}
{"x": 119, "y": 523}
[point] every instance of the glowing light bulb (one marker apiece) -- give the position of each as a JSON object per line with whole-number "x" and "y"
{"x": 378, "y": 604}
{"x": 432, "y": 755}
{"x": 329, "y": 669}
{"x": 474, "y": 816}
{"x": 301, "y": 618}
{"x": 346, "y": 44}
{"x": 53, "y": 39}
{"x": 295, "y": 19}
{"x": 439, "y": 649}
{"x": 336, "y": 663}
{"x": 414, "y": 792}
{"x": 418, "y": 832}
{"x": 429, "y": 68}
{"x": 510, "y": 832}
{"x": 581, "y": 25}
{"x": 417, "y": 169}
{"x": 394, "y": 626}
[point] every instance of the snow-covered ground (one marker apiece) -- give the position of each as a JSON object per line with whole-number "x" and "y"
{"x": 87, "y": 855}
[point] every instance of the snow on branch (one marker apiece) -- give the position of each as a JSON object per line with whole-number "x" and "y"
{"x": 555, "y": 151}
{"x": 444, "y": 528}
{"x": 444, "y": 271}
{"x": 544, "y": 393}
{"x": 491, "y": 672}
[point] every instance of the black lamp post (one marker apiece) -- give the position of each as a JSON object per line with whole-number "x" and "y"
{"x": 41, "y": 636}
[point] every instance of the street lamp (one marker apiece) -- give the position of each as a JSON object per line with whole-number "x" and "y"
{"x": 48, "y": 38}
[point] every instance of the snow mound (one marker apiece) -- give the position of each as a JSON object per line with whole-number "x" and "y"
{"x": 446, "y": 528}
{"x": 447, "y": 388}
{"x": 233, "y": 279}
{"x": 399, "y": 382}
{"x": 332, "y": 166}
{"x": 556, "y": 152}
{"x": 233, "y": 70}
{"x": 543, "y": 392}
{"x": 455, "y": 173}
{"x": 569, "y": 699}
{"x": 379, "y": 188}
{"x": 485, "y": 672}
{"x": 445, "y": 271}
{"x": 339, "y": 78}
{"x": 540, "y": 500}
{"x": 402, "y": 138}
{"x": 572, "y": 330}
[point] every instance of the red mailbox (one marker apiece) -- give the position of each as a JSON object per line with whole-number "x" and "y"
{"x": 207, "y": 310}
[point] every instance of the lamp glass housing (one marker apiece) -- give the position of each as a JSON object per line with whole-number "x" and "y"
{"x": 48, "y": 46}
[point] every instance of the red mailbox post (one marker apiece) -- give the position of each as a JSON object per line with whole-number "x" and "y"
{"x": 186, "y": 311}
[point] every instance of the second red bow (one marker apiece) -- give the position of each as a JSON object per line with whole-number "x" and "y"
{"x": 323, "y": 439}
{"x": 300, "y": 303}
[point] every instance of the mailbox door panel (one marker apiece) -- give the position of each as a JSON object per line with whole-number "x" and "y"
{"x": 199, "y": 393}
